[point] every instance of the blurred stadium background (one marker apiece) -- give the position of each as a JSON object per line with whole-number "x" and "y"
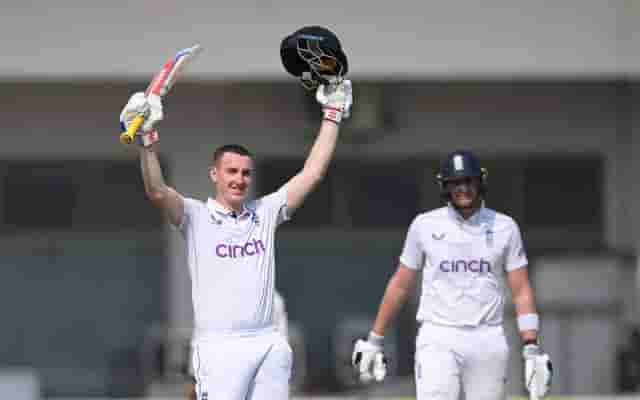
{"x": 94, "y": 291}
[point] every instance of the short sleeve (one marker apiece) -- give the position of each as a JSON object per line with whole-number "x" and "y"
{"x": 190, "y": 207}
{"x": 413, "y": 251}
{"x": 516, "y": 255}
{"x": 276, "y": 204}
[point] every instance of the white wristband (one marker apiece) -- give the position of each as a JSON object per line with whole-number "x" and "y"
{"x": 376, "y": 339}
{"x": 528, "y": 322}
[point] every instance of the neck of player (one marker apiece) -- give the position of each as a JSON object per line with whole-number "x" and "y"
{"x": 235, "y": 206}
{"x": 468, "y": 211}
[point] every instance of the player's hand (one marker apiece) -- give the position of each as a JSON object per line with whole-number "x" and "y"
{"x": 538, "y": 370}
{"x": 336, "y": 100}
{"x": 148, "y": 106}
{"x": 368, "y": 360}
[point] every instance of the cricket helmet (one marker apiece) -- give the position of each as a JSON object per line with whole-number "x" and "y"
{"x": 314, "y": 54}
{"x": 461, "y": 164}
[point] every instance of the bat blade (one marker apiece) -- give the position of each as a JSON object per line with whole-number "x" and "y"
{"x": 181, "y": 60}
{"x": 161, "y": 84}
{"x": 163, "y": 81}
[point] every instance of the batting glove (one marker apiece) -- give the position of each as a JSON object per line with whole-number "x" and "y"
{"x": 148, "y": 106}
{"x": 336, "y": 100}
{"x": 538, "y": 370}
{"x": 368, "y": 359}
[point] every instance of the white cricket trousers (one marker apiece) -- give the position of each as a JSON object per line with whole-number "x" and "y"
{"x": 451, "y": 359}
{"x": 243, "y": 367}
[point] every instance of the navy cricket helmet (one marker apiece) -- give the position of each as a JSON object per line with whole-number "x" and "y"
{"x": 461, "y": 164}
{"x": 313, "y": 54}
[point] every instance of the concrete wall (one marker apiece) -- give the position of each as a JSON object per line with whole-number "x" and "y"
{"x": 119, "y": 38}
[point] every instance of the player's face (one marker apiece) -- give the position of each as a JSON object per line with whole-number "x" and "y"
{"x": 232, "y": 176}
{"x": 464, "y": 192}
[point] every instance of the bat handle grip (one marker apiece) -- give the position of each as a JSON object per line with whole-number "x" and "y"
{"x": 128, "y": 136}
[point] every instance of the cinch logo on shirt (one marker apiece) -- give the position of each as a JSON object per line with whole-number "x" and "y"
{"x": 236, "y": 250}
{"x": 480, "y": 265}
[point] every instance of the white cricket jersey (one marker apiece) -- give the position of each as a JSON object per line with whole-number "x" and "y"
{"x": 232, "y": 263}
{"x": 464, "y": 264}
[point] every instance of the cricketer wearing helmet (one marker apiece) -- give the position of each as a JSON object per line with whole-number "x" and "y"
{"x": 238, "y": 353}
{"x": 468, "y": 255}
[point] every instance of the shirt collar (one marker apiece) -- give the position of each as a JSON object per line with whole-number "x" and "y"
{"x": 218, "y": 209}
{"x": 476, "y": 219}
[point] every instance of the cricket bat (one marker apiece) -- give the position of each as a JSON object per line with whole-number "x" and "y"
{"x": 161, "y": 84}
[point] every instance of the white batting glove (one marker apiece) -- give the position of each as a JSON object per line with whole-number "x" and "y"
{"x": 149, "y": 106}
{"x": 538, "y": 370}
{"x": 336, "y": 100}
{"x": 368, "y": 359}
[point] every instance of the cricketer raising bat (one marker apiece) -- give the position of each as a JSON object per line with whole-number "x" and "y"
{"x": 161, "y": 85}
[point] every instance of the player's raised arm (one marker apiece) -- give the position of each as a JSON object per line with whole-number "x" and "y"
{"x": 314, "y": 55}
{"x": 158, "y": 192}
{"x": 336, "y": 100}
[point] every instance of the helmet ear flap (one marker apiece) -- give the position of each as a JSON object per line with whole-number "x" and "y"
{"x": 485, "y": 173}
{"x": 444, "y": 193}
{"x": 483, "y": 182}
